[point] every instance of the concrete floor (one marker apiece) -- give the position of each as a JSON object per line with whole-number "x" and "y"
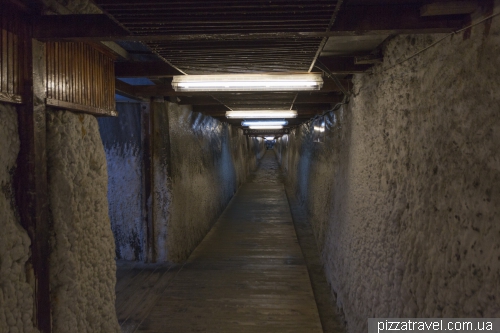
{"x": 248, "y": 274}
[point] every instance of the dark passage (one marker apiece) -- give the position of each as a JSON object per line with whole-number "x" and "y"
{"x": 248, "y": 274}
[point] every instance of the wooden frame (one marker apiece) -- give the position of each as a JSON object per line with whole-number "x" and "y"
{"x": 80, "y": 78}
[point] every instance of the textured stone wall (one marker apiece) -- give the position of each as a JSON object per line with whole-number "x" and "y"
{"x": 197, "y": 165}
{"x": 82, "y": 266}
{"x": 404, "y": 195}
{"x": 210, "y": 160}
{"x": 121, "y": 137}
{"x": 16, "y": 275}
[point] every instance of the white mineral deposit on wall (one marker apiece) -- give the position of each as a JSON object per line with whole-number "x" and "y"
{"x": 404, "y": 194}
{"x": 82, "y": 266}
{"x": 16, "y": 289}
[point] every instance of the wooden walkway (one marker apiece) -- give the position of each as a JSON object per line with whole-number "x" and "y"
{"x": 248, "y": 275}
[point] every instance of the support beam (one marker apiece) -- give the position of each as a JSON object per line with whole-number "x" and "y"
{"x": 344, "y": 65}
{"x": 368, "y": 59}
{"x": 449, "y": 8}
{"x": 147, "y": 119}
{"x": 145, "y": 69}
{"x": 88, "y": 26}
{"x": 339, "y": 65}
{"x": 31, "y": 178}
{"x": 307, "y": 109}
{"x": 330, "y": 85}
{"x": 117, "y": 50}
{"x": 318, "y": 98}
{"x": 391, "y": 19}
{"x": 81, "y": 108}
{"x": 311, "y": 98}
{"x": 125, "y": 89}
{"x": 197, "y": 100}
{"x": 211, "y": 109}
{"x": 154, "y": 90}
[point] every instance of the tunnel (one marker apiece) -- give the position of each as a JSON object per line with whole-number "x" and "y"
{"x": 249, "y": 166}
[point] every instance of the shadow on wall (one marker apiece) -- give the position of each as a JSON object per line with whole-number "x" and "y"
{"x": 16, "y": 283}
{"x": 404, "y": 195}
{"x": 197, "y": 165}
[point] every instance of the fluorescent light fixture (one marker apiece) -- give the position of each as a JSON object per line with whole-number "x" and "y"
{"x": 264, "y": 122}
{"x": 269, "y": 138}
{"x": 259, "y": 114}
{"x": 264, "y": 127}
{"x": 248, "y": 82}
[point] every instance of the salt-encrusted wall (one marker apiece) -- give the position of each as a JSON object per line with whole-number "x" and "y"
{"x": 210, "y": 160}
{"x": 121, "y": 137}
{"x": 197, "y": 165}
{"x": 16, "y": 275}
{"x": 82, "y": 266}
{"x": 404, "y": 195}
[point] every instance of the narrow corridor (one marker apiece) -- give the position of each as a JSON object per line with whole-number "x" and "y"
{"x": 248, "y": 166}
{"x": 248, "y": 274}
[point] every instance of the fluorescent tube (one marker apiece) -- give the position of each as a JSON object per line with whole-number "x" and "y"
{"x": 264, "y": 122}
{"x": 264, "y": 127}
{"x": 248, "y": 82}
{"x": 253, "y": 114}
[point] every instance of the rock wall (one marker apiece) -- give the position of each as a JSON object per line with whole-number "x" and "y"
{"x": 16, "y": 274}
{"x": 82, "y": 266}
{"x": 121, "y": 137}
{"x": 404, "y": 194}
{"x": 198, "y": 163}
{"x": 210, "y": 160}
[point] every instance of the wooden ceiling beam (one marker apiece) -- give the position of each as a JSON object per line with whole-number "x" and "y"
{"x": 125, "y": 89}
{"x": 197, "y": 100}
{"x": 344, "y": 65}
{"x": 312, "y": 108}
{"x": 318, "y": 98}
{"x": 145, "y": 69}
{"x": 211, "y": 109}
{"x": 353, "y": 20}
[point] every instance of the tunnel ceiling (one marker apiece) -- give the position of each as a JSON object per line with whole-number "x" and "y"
{"x": 158, "y": 39}
{"x": 268, "y": 52}
{"x": 201, "y": 17}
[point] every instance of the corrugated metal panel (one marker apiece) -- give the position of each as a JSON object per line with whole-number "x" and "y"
{"x": 199, "y": 17}
{"x": 79, "y": 77}
{"x": 13, "y": 34}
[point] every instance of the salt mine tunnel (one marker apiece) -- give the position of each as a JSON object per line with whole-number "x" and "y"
{"x": 248, "y": 166}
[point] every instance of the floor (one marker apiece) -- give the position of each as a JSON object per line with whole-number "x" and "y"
{"x": 248, "y": 274}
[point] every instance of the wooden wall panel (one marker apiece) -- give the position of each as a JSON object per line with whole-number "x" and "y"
{"x": 13, "y": 34}
{"x": 80, "y": 78}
